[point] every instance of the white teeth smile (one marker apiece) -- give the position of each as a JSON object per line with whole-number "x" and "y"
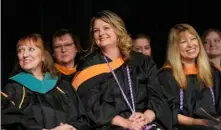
{"x": 191, "y": 50}
{"x": 103, "y": 39}
{"x": 26, "y": 61}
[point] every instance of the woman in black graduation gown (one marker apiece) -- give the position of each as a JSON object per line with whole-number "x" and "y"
{"x": 117, "y": 86}
{"x": 188, "y": 80}
{"x": 35, "y": 98}
{"x": 212, "y": 43}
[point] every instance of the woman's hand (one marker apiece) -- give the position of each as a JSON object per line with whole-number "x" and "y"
{"x": 61, "y": 124}
{"x": 126, "y": 123}
{"x": 135, "y": 126}
{"x": 63, "y": 127}
{"x": 149, "y": 116}
{"x": 137, "y": 117}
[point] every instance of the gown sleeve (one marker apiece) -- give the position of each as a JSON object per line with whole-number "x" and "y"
{"x": 155, "y": 99}
{"x": 146, "y": 71}
{"x": 219, "y": 105}
{"x": 217, "y": 91}
{"x": 99, "y": 106}
{"x": 76, "y": 116}
{"x": 14, "y": 118}
{"x": 169, "y": 89}
{"x": 14, "y": 92}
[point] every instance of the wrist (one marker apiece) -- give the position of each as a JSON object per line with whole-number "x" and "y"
{"x": 199, "y": 122}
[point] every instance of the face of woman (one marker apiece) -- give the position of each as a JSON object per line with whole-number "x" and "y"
{"x": 142, "y": 45}
{"x": 30, "y": 57}
{"x": 212, "y": 44}
{"x": 189, "y": 47}
{"x": 104, "y": 34}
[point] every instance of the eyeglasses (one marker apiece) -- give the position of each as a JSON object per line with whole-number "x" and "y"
{"x": 66, "y": 46}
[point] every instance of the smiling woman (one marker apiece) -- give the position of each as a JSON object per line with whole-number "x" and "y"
{"x": 189, "y": 47}
{"x": 188, "y": 81}
{"x": 104, "y": 34}
{"x": 35, "y": 98}
{"x": 212, "y": 44}
{"x": 30, "y": 57}
{"x": 118, "y": 87}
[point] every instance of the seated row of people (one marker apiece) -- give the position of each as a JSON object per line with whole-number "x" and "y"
{"x": 112, "y": 87}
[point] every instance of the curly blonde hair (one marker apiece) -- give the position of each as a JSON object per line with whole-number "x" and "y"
{"x": 123, "y": 38}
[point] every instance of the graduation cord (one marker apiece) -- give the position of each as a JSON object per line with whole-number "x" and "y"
{"x": 147, "y": 127}
{"x": 212, "y": 94}
{"x": 23, "y": 97}
{"x": 132, "y": 108}
{"x": 181, "y": 97}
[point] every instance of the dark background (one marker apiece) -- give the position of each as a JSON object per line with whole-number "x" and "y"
{"x": 153, "y": 17}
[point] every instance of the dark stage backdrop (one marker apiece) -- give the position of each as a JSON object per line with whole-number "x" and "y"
{"x": 153, "y": 17}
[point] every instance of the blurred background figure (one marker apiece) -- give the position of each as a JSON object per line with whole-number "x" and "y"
{"x": 66, "y": 49}
{"x": 212, "y": 44}
{"x": 142, "y": 44}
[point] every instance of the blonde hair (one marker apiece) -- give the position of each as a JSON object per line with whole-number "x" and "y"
{"x": 36, "y": 39}
{"x": 174, "y": 58}
{"x": 123, "y": 38}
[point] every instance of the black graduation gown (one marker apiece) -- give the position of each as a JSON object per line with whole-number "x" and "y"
{"x": 43, "y": 110}
{"x": 196, "y": 95}
{"x": 68, "y": 78}
{"x": 217, "y": 89}
{"x": 102, "y": 97}
{"x": 14, "y": 118}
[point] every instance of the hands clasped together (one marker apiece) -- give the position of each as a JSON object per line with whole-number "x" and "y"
{"x": 63, "y": 127}
{"x": 138, "y": 121}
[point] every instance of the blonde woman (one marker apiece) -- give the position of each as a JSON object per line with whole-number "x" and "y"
{"x": 187, "y": 80}
{"x": 117, "y": 86}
